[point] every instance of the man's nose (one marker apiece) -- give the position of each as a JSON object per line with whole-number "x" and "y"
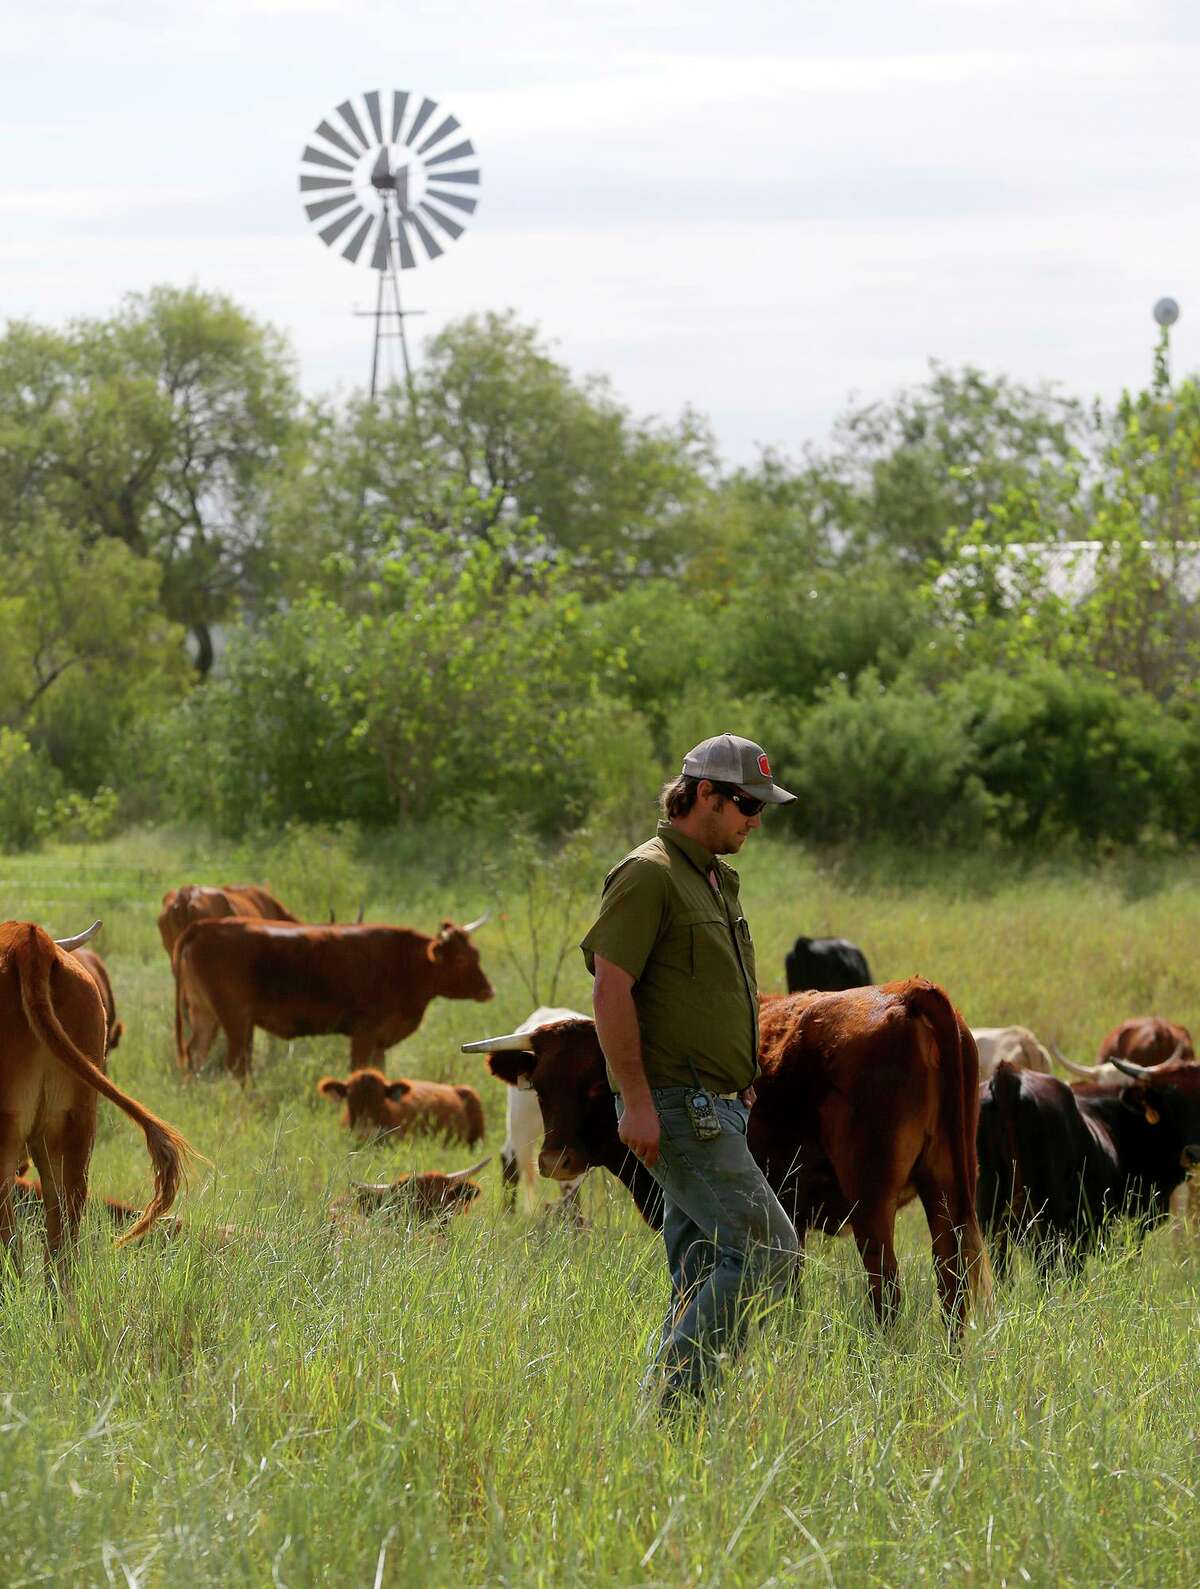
{"x": 756, "y": 820}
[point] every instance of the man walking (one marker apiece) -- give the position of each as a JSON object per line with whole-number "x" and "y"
{"x": 676, "y": 1006}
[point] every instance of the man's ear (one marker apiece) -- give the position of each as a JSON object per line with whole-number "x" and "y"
{"x": 331, "y": 1087}
{"x": 512, "y": 1065}
{"x": 399, "y": 1089}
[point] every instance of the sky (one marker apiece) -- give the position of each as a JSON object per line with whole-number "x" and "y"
{"x": 766, "y": 211}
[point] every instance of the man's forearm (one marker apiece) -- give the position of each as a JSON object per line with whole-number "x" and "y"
{"x": 617, "y": 1029}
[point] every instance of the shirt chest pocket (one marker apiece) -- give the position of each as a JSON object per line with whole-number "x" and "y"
{"x": 712, "y": 957}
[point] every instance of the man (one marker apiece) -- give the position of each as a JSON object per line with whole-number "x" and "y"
{"x": 676, "y": 1006}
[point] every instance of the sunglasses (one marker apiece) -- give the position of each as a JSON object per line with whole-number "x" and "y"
{"x": 748, "y": 806}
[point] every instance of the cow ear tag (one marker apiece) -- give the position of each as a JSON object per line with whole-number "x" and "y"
{"x": 1152, "y": 1115}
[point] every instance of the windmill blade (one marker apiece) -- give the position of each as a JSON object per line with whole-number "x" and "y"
{"x": 372, "y": 103}
{"x": 432, "y": 247}
{"x": 333, "y": 136}
{"x": 354, "y": 247}
{"x": 452, "y": 228}
{"x": 312, "y": 184}
{"x": 334, "y": 231}
{"x": 381, "y": 259}
{"x": 346, "y": 111}
{"x": 458, "y": 200}
{"x": 317, "y": 157}
{"x": 327, "y": 206}
{"x": 444, "y": 131}
{"x": 407, "y": 257}
{"x": 399, "y": 106}
{"x": 459, "y": 152}
{"x": 457, "y": 176}
{"x": 428, "y": 106}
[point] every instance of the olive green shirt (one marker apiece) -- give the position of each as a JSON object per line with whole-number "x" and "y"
{"x": 689, "y": 952}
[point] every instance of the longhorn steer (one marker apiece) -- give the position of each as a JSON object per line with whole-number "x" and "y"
{"x": 867, "y": 1099}
{"x": 1056, "y": 1163}
{"x": 371, "y": 983}
{"x": 51, "y": 1071}
{"x": 1015, "y": 1044}
{"x": 98, "y": 971}
{"x": 430, "y": 1195}
{"x": 828, "y": 965}
{"x": 194, "y": 902}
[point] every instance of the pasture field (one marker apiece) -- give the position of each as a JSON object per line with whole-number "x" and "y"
{"x": 398, "y": 1407}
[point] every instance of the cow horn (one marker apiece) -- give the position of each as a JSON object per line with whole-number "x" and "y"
{"x": 1085, "y": 1071}
{"x": 478, "y": 922}
{"x": 461, "y": 1175}
{"x": 1130, "y": 1069}
{"x": 381, "y": 1187}
{"x": 80, "y": 937}
{"x": 513, "y": 1043}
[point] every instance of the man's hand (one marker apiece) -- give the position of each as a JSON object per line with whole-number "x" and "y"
{"x": 748, "y": 1095}
{"x": 640, "y": 1131}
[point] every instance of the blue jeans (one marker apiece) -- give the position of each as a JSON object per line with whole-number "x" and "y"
{"x": 729, "y": 1243}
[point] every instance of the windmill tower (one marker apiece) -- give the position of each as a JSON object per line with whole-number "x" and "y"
{"x": 383, "y": 183}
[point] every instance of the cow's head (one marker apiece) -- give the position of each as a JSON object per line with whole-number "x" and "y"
{"x": 563, "y": 1064}
{"x": 367, "y": 1094}
{"x": 1165, "y": 1095}
{"x": 460, "y": 975}
{"x": 429, "y": 1195}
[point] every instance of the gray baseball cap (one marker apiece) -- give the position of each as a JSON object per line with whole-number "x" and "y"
{"x": 728, "y": 758}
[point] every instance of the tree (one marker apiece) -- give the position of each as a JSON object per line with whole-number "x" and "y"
{"x": 942, "y": 455}
{"x": 158, "y": 428}
{"x": 499, "y": 432}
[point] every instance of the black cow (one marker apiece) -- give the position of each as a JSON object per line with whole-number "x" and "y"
{"x": 828, "y": 965}
{"x": 1056, "y": 1164}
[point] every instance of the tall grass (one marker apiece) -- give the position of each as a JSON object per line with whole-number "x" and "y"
{"x": 384, "y": 1406}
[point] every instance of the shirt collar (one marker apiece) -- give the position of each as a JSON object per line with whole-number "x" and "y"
{"x": 695, "y": 852}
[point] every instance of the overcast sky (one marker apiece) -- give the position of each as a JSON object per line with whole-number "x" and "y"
{"x": 761, "y": 209}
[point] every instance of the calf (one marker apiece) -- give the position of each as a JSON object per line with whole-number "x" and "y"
{"x": 421, "y": 1198}
{"x": 827, "y": 965}
{"x": 1014, "y": 1044}
{"x": 400, "y": 1108}
{"x": 98, "y": 971}
{"x": 1056, "y": 1164}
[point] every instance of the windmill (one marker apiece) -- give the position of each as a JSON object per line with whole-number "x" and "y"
{"x": 386, "y": 184}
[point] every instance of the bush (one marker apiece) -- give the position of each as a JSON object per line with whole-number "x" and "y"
{"x": 29, "y": 787}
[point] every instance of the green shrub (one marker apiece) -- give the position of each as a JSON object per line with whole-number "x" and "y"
{"x": 29, "y": 787}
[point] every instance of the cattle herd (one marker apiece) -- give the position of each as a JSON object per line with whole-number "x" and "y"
{"x": 869, "y": 1096}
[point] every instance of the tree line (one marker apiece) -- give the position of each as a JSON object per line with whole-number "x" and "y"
{"x": 223, "y": 602}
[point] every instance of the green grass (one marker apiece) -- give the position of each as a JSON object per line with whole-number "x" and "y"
{"x": 411, "y": 1408}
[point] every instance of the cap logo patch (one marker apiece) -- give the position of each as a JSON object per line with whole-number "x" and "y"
{"x": 764, "y": 766}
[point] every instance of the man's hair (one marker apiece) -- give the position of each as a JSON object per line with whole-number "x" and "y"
{"x": 677, "y": 797}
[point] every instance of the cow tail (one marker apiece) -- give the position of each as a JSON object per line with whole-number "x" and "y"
{"x": 168, "y": 1149}
{"x": 958, "y": 1083}
{"x": 474, "y": 1112}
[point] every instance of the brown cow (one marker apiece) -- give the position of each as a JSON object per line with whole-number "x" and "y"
{"x": 27, "y": 1193}
{"x": 51, "y": 1070}
{"x": 92, "y": 963}
{"x": 867, "y": 1099}
{"x": 430, "y": 1195}
{"x": 371, "y": 983}
{"x": 1143, "y": 1040}
{"x": 194, "y": 902}
{"x": 399, "y": 1108}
